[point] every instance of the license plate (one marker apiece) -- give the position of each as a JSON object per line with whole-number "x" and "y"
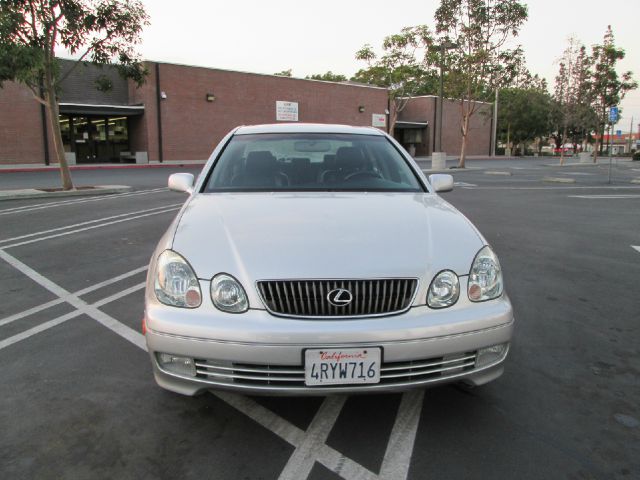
{"x": 339, "y": 366}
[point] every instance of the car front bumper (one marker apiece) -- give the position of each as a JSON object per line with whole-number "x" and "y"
{"x": 247, "y": 353}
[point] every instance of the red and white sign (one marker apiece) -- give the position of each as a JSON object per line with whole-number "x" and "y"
{"x": 286, "y": 111}
{"x": 378, "y": 120}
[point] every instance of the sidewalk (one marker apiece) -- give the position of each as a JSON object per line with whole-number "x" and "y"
{"x": 37, "y": 167}
{"x": 27, "y": 193}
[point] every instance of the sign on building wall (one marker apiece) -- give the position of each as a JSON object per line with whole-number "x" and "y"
{"x": 286, "y": 111}
{"x": 378, "y": 120}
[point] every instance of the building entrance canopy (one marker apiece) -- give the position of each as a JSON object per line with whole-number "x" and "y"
{"x": 101, "y": 110}
{"x": 402, "y": 124}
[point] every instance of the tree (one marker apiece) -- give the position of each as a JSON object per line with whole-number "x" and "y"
{"x": 425, "y": 81}
{"x": 479, "y": 62}
{"x": 573, "y": 91}
{"x": 284, "y": 73}
{"x": 401, "y": 68}
{"x": 100, "y": 31}
{"x": 524, "y": 111}
{"x": 328, "y": 77}
{"x": 608, "y": 88}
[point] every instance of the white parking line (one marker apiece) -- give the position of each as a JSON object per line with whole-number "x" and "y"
{"x": 38, "y": 328}
{"x": 68, "y": 316}
{"x": 604, "y": 197}
{"x": 13, "y": 239}
{"x": 397, "y": 458}
{"x": 79, "y": 293}
{"x": 310, "y": 445}
{"x": 81, "y": 306}
{"x": 637, "y": 249}
{"x": 464, "y": 184}
{"x": 327, "y": 456}
{"x": 64, "y": 203}
{"x": 70, "y": 232}
{"x": 343, "y": 466}
{"x": 577, "y": 187}
{"x": 304, "y": 456}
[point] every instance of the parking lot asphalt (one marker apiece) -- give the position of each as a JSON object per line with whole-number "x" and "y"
{"x": 79, "y": 401}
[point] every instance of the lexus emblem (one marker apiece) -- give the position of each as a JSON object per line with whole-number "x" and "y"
{"x": 339, "y": 297}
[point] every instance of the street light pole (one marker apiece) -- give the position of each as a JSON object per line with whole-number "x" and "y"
{"x": 494, "y": 133}
{"x": 612, "y": 120}
{"x": 445, "y": 45}
{"x": 440, "y": 101}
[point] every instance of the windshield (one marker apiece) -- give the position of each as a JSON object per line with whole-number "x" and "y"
{"x": 311, "y": 162}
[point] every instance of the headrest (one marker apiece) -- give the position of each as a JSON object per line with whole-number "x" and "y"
{"x": 329, "y": 161}
{"x": 260, "y": 160}
{"x": 350, "y": 158}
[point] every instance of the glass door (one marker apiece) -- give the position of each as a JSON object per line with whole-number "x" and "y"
{"x": 95, "y": 138}
{"x": 84, "y": 140}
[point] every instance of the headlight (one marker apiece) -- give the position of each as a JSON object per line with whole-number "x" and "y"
{"x": 485, "y": 277}
{"x": 176, "y": 284}
{"x": 228, "y": 295}
{"x": 444, "y": 290}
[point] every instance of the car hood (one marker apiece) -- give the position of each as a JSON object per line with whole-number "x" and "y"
{"x": 260, "y": 236}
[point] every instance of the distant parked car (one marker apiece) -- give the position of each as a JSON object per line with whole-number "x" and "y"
{"x": 567, "y": 151}
{"x": 318, "y": 259}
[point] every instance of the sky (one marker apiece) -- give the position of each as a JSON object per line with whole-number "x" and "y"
{"x": 313, "y": 37}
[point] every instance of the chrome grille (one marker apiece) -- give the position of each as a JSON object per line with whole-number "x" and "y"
{"x": 288, "y": 377}
{"x": 308, "y": 298}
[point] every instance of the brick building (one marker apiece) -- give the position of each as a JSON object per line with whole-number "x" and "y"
{"x": 181, "y": 112}
{"x": 415, "y": 127}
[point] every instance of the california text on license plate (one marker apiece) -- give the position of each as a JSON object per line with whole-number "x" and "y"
{"x": 328, "y": 366}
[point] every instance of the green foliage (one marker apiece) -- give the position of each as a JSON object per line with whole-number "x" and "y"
{"x": 524, "y": 114}
{"x": 636, "y": 156}
{"x": 573, "y": 117}
{"x": 328, "y": 77}
{"x": 417, "y": 80}
{"x": 608, "y": 88}
{"x": 284, "y": 73}
{"x": 103, "y": 83}
{"x": 102, "y": 31}
{"x": 401, "y": 68}
{"x": 478, "y": 30}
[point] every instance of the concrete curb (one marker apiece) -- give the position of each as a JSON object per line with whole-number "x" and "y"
{"x": 558, "y": 180}
{"x": 35, "y": 193}
{"x": 590, "y": 164}
{"x": 495, "y": 172}
{"x": 430, "y": 171}
{"x": 100, "y": 167}
{"x": 450, "y": 170}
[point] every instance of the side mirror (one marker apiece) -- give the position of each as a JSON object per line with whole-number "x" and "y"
{"x": 441, "y": 182}
{"x": 181, "y": 182}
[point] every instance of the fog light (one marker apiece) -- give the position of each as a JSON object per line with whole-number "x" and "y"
{"x": 493, "y": 354}
{"x": 179, "y": 365}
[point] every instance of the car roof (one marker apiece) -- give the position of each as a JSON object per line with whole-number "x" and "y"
{"x": 306, "y": 128}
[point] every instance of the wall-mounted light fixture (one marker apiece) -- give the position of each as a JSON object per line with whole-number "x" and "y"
{"x": 163, "y": 95}
{"x": 210, "y": 97}
{"x": 361, "y": 108}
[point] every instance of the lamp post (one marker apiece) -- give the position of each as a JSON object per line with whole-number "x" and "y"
{"x": 445, "y": 45}
{"x": 494, "y": 126}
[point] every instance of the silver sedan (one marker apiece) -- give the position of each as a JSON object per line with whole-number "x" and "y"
{"x": 318, "y": 259}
